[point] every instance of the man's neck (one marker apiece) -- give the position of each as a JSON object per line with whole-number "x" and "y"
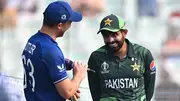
{"x": 123, "y": 51}
{"x": 48, "y": 31}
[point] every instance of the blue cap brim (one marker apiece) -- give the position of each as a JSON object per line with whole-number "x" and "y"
{"x": 76, "y": 17}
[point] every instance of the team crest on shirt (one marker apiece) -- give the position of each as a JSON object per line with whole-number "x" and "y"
{"x": 104, "y": 68}
{"x": 152, "y": 66}
{"x": 61, "y": 68}
{"x": 135, "y": 67}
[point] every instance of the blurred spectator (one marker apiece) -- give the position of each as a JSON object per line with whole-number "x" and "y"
{"x": 2, "y": 5}
{"x": 28, "y": 6}
{"x": 88, "y": 7}
{"x": 174, "y": 26}
{"x": 168, "y": 88}
{"x": 7, "y": 15}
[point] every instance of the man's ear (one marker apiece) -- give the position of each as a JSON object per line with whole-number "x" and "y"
{"x": 125, "y": 32}
{"x": 59, "y": 26}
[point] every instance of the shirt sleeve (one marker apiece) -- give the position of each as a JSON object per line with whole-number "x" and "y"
{"x": 54, "y": 61}
{"x": 93, "y": 79}
{"x": 149, "y": 75}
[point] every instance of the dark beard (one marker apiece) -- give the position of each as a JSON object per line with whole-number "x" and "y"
{"x": 115, "y": 49}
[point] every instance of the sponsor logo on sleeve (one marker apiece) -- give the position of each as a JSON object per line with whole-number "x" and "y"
{"x": 61, "y": 68}
{"x": 152, "y": 66}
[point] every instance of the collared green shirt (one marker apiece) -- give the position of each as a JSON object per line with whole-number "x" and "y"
{"x": 128, "y": 79}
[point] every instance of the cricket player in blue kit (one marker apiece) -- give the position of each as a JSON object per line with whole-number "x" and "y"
{"x": 45, "y": 77}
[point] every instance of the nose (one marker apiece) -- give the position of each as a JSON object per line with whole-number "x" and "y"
{"x": 110, "y": 39}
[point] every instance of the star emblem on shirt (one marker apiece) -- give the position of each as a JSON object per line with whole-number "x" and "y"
{"x": 108, "y": 22}
{"x": 135, "y": 67}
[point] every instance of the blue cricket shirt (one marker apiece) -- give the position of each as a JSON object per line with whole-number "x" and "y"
{"x": 44, "y": 66}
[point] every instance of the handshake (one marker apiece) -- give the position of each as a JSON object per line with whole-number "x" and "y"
{"x": 70, "y": 64}
{"x": 79, "y": 72}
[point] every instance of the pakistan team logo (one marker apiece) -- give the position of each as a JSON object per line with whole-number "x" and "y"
{"x": 135, "y": 67}
{"x": 104, "y": 68}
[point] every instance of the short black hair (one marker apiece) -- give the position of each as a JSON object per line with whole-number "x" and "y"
{"x": 49, "y": 23}
{"x": 122, "y": 30}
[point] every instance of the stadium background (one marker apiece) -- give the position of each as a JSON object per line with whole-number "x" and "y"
{"x": 152, "y": 23}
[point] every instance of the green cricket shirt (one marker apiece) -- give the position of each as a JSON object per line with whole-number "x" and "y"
{"x": 128, "y": 79}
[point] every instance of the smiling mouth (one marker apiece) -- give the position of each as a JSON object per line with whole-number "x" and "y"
{"x": 113, "y": 45}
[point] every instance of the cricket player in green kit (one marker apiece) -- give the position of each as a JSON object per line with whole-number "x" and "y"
{"x": 123, "y": 71}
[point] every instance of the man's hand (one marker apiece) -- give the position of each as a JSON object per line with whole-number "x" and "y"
{"x": 76, "y": 96}
{"x": 79, "y": 70}
{"x": 69, "y": 64}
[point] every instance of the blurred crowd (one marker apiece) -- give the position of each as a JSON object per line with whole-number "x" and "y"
{"x": 152, "y": 23}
